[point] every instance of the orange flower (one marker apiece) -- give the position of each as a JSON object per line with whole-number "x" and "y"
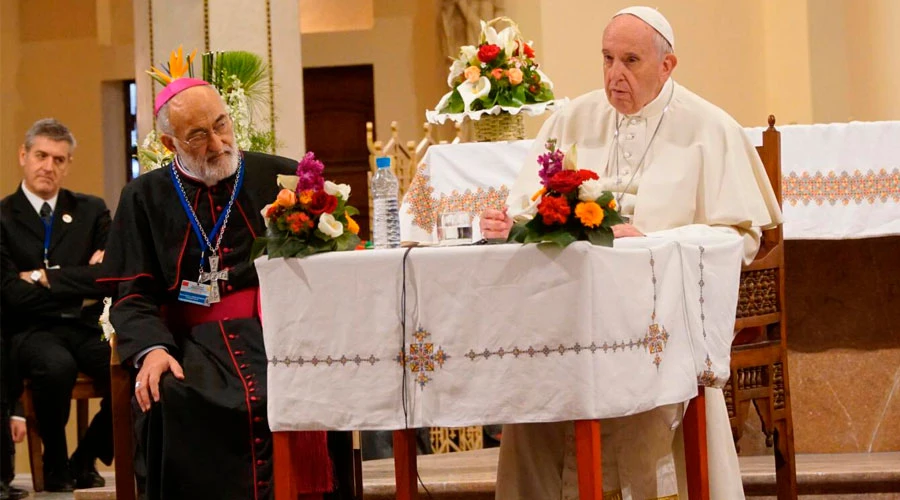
{"x": 515, "y": 76}
{"x": 286, "y": 198}
{"x": 352, "y": 226}
{"x": 497, "y": 73}
{"x": 554, "y": 210}
{"x": 305, "y": 197}
{"x": 540, "y": 192}
{"x": 472, "y": 73}
{"x": 589, "y": 213}
{"x": 298, "y": 221}
{"x": 612, "y": 204}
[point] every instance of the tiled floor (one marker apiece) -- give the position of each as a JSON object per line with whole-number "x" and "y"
{"x": 471, "y": 475}
{"x": 24, "y": 481}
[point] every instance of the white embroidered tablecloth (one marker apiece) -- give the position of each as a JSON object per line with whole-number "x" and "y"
{"x": 840, "y": 181}
{"x": 496, "y": 334}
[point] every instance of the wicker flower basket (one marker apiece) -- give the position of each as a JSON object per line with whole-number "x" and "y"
{"x": 502, "y": 127}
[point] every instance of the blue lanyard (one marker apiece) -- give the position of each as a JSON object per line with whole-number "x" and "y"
{"x": 192, "y": 217}
{"x": 48, "y": 227}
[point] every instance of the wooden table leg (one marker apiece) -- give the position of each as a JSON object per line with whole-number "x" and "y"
{"x": 695, "y": 451}
{"x": 590, "y": 469}
{"x": 283, "y": 467}
{"x": 405, "y": 468}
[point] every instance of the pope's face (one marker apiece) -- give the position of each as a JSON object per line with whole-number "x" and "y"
{"x": 634, "y": 71}
{"x": 44, "y": 165}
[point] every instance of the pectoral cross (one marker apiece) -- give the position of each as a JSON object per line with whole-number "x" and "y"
{"x": 213, "y": 277}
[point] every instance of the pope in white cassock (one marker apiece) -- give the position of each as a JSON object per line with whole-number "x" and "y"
{"x": 672, "y": 160}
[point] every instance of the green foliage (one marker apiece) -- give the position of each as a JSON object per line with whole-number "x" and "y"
{"x": 562, "y": 235}
{"x": 247, "y": 67}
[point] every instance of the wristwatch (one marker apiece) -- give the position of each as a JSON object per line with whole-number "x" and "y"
{"x": 36, "y": 275}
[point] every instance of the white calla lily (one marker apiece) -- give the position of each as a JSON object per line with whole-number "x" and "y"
{"x": 288, "y": 181}
{"x": 341, "y": 190}
{"x": 444, "y": 101}
{"x": 330, "y": 226}
{"x": 471, "y": 91}
{"x": 468, "y": 54}
{"x": 505, "y": 39}
{"x": 456, "y": 69}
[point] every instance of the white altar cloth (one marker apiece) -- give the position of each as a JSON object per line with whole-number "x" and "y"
{"x": 839, "y": 181}
{"x": 496, "y": 334}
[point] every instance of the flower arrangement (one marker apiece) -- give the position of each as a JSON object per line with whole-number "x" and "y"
{"x": 501, "y": 70}
{"x": 309, "y": 216}
{"x": 495, "y": 83}
{"x": 240, "y": 79}
{"x": 572, "y": 204}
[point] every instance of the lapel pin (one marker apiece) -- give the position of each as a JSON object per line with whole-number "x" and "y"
{"x": 67, "y": 218}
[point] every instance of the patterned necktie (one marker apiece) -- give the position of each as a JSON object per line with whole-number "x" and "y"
{"x": 46, "y": 213}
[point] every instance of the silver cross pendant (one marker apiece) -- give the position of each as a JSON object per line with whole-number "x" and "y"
{"x": 213, "y": 277}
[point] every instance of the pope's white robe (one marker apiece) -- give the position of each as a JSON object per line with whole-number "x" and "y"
{"x": 698, "y": 169}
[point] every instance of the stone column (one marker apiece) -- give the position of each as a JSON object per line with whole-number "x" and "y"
{"x": 267, "y": 27}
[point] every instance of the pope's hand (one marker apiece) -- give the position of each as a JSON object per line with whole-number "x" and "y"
{"x": 625, "y": 231}
{"x": 495, "y": 224}
{"x": 156, "y": 363}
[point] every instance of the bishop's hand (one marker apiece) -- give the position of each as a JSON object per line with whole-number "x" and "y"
{"x": 156, "y": 363}
{"x": 495, "y": 224}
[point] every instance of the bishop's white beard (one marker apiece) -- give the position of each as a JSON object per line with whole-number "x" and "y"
{"x": 211, "y": 170}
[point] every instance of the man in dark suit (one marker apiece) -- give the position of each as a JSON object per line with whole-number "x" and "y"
{"x": 12, "y": 430}
{"x": 51, "y": 241}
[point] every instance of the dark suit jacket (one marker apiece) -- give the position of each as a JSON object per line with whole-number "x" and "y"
{"x": 28, "y": 307}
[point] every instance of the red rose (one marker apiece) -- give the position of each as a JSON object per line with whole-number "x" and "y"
{"x": 564, "y": 181}
{"x": 488, "y": 52}
{"x": 585, "y": 175}
{"x": 322, "y": 202}
{"x": 534, "y": 88}
{"x": 274, "y": 211}
{"x": 529, "y": 52}
{"x": 554, "y": 210}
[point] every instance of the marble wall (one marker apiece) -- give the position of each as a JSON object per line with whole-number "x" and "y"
{"x": 843, "y": 310}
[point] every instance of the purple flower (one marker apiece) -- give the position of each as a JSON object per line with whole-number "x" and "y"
{"x": 309, "y": 171}
{"x": 551, "y": 162}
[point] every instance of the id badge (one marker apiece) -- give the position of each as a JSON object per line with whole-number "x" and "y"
{"x": 194, "y": 293}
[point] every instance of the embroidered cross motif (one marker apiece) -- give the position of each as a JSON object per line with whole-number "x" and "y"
{"x": 708, "y": 377}
{"x": 656, "y": 339}
{"x": 422, "y": 357}
{"x": 213, "y": 277}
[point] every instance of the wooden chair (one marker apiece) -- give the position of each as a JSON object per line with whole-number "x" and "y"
{"x": 83, "y": 391}
{"x": 123, "y": 424}
{"x": 759, "y": 365}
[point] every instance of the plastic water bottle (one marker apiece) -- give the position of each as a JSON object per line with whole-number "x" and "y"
{"x": 386, "y": 218}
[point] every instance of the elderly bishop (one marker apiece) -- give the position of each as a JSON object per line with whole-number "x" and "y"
{"x": 186, "y": 314}
{"x": 673, "y": 160}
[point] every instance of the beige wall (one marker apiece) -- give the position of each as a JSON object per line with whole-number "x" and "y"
{"x": 403, "y": 49}
{"x": 56, "y": 67}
